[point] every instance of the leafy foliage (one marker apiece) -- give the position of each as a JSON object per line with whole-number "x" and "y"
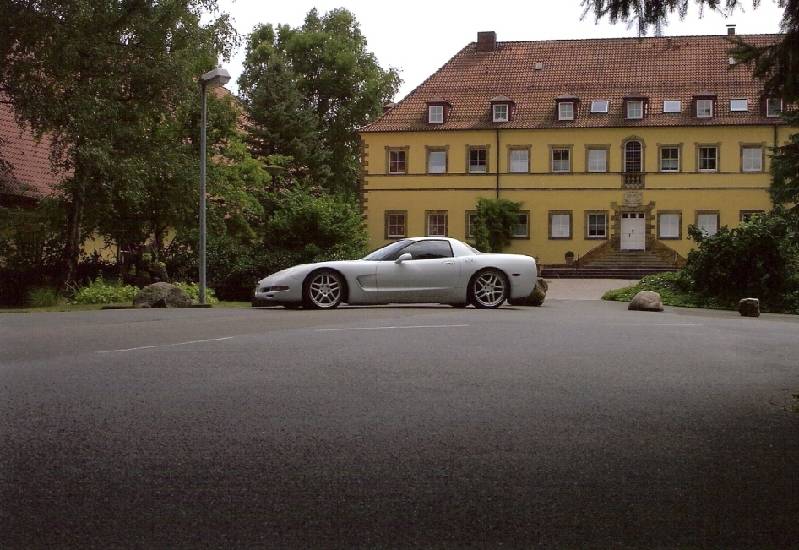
{"x": 674, "y": 290}
{"x": 494, "y": 225}
{"x": 785, "y": 167}
{"x": 45, "y": 296}
{"x": 193, "y": 291}
{"x": 100, "y": 291}
{"x": 309, "y": 89}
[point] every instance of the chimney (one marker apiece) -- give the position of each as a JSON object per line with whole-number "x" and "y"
{"x": 388, "y": 106}
{"x": 486, "y": 41}
{"x": 730, "y": 30}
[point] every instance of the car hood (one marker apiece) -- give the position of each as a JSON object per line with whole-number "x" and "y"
{"x": 302, "y": 269}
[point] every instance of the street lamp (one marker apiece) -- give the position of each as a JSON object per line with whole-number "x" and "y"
{"x": 212, "y": 79}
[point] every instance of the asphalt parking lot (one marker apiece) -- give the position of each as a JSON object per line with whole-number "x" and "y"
{"x": 578, "y": 424}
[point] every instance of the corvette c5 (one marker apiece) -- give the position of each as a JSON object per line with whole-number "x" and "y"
{"x": 412, "y": 270}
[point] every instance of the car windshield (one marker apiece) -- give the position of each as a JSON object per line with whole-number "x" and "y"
{"x": 387, "y": 251}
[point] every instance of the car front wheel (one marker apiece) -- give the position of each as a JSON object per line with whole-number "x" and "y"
{"x": 488, "y": 289}
{"x": 323, "y": 290}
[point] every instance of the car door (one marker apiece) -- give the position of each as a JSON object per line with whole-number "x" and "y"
{"x": 431, "y": 274}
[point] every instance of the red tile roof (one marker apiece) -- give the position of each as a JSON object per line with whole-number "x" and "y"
{"x": 31, "y": 174}
{"x": 658, "y": 68}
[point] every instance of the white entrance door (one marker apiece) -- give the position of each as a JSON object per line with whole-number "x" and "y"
{"x": 633, "y": 228}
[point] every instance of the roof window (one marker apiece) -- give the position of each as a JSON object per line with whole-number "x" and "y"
{"x": 672, "y": 106}
{"x": 739, "y": 105}
{"x": 599, "y": 105}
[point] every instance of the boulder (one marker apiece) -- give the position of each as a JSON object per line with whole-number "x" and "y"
{"x": 161, "y": 295}
{"x": 646, "y": 300}
{"x": 749, "y": 307}
{"x": 536, "y": 298}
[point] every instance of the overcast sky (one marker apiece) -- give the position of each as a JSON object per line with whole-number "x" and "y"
{"x": 417, "y": 37}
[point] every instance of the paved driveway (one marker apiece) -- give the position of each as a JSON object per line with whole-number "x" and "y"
{"x": 578, "y": 424}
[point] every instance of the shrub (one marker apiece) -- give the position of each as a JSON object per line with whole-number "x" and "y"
{"x": 101, "y": 291}
{"x": 674, "y": 289}
{"x": 193, "y": 290}
{"x": 496, "y": 219}
{"x": 44, "y": 297}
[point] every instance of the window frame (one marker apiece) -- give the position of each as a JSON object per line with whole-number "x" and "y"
{"x": 551, "y": 215}
{"x": 629, "y": 103}
{"x": 678, "y": 148}
{"x": 427, "y": 216}
{"x": 430, "y": 108}
{"x": 587, "y": 226}
{"x": 562, "y": 104}
{"x": 743, "y": 213}
{"x": 702, "y": 100}
{"x": 679, "y": 106}
{"x": 552, "y": 149}
{"x": 402, "y": 149}
{"x": 494, "y": 108}
{"x": 588, "y": 149}
{"x": 468, "y": 234}
{"x": 745, "y": 146}
{"x": 699, "y": 213}
{"x": 436, "y": 149}
{"x": 387, "y": 235}
{"x": 625, "y": 143}
{"x": 598, "y": 111}
{"x": 469, "y": 149}
{"x": 746, "y": 105}
{"x": 769, "y": 112}
{"x": 511, "y": 149}
{"x": 677, "y": 213}
{"x": 526, "y": 235}
{"x": 699, "y": 148}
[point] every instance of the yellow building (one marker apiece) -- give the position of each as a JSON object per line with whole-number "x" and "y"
{"x": 611, "y": 145}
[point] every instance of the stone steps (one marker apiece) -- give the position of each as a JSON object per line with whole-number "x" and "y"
{"x": 633, "y": 273}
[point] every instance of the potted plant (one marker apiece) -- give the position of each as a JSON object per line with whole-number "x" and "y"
{"x": 569, "y": 257}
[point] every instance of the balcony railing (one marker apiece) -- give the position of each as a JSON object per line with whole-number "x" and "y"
{"x": 632, "y": 180}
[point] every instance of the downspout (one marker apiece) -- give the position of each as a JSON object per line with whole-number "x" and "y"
{"x": 497, "y": 162}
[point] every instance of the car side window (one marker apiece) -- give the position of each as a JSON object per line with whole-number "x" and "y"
{"x": 429, "y": 250}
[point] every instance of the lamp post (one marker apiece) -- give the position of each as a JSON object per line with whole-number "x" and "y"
{"x": 212, "y": 79}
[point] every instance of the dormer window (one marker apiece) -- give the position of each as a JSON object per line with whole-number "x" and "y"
{"x": 501, "y": 109}
{"x": 500, "y": 112}
{"x": 599, "y": 105}
{"x": 435, "y": 114}
{"x": 704, "y": 108}
{"x": 635, "y": 108}
{"x": 566, "y": 110}
{"x": 773, "y": 107}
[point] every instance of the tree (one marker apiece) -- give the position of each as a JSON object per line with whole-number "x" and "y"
{"x": 496, "y": 219}
{"x": 785, "y": 169}
{"x": 309, "y": 89}
{"x": 777, "y": 64}
{"x": 111, "y": 83}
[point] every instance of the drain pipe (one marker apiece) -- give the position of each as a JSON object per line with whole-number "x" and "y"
{"x": 497, "y": 168}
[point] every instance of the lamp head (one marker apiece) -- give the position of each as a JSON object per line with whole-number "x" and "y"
{"x": 215, "y": 78}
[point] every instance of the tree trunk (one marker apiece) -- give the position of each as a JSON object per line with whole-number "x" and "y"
{"x": 73, "y": 234}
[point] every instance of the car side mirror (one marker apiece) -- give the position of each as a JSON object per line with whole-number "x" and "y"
{"x": 404, "y": 258}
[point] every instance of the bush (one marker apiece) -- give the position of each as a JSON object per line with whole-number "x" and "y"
{"x": 193, "y": 290}
{"x": 675, "y": 289}
{"x": 101, "y": 291}
{"x": 496, "y": 219}
{"x": 44, "y": 297}
{"x": 759, "y": 258}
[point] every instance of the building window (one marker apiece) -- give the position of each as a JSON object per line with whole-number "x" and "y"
{"x": 751, "y": 159}
{"x": 672, "y": 106}
{"x": 633, "y": 157}
{"x": 669, "y": 159}
{"x": 396, "y": 224}
{"x": 471, "y": 223}
{"x": 519, "y": 160}
{"x": 704, "y": 108}
{"x": 597, "y": 160}
{"x": 670, "y": 225}
{"x": 596, "y": 225}
{"x": 708, "y": 158}
{"x": 635, "y": 109}
{"x": 773, "y": 107}
{"x": 560, "y": 225}
{"x": 397, "y": 161}
{"x": 478, "y": 160}
{"x": 739, "y": 105}
{"x": 435, "y": 114}
{"x": 561, "y": 159}
{"x": 747, "y": 215}
{"x": 500, "y": 112}
{"x": 522, "y": 228}
{"x": 436, "y": 161}
{"x": 707, "y": 222}
{"x": 599, "y": 105}
{"x": 565, "y": 110}
{"x": 436, "y": 223}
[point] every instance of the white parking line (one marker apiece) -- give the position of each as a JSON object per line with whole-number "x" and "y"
{"x": 388, "y": 328}
{"x": 165, "y": 345}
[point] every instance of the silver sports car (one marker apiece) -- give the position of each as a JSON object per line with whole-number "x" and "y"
{"x": 422, "y": 269}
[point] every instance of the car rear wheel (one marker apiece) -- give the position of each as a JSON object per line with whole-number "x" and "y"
{"x": 323, "y": 290}
{"x": 488, "y": 289}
